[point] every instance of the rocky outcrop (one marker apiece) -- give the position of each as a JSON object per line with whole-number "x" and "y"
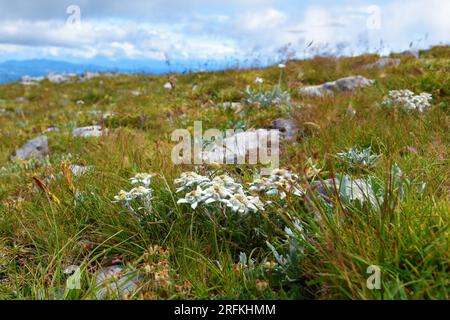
{"x": 347, "y": 84}
{"x": 383, "y": 63}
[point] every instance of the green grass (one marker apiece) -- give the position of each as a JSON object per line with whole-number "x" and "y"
{"x": 407, "y": 238}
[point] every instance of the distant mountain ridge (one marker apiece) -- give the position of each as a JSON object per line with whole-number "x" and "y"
{"x": 13, "y": 70}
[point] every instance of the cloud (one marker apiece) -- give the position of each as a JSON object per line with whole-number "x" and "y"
{"x": 200, "y": 29}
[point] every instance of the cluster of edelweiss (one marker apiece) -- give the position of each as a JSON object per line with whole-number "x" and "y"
{"x": 141, "y": 193}
{"x": 223, "y": 189}
{"x": 408, "y": 100}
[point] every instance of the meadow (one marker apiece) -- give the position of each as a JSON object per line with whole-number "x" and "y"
{"x": 72, "y": 234}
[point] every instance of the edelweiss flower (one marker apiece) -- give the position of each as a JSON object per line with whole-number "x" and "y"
{"x": 123, "y": 196}
{"x": 281, "y": 66}
{"x": 189, "y": 179}
{"x": 243, "y": 203}
{"x": 142, "y": 178}
{"x": 278, "y": 183}
{"x": 140, "y": 192}
{"x": 259, "y": 80}
{"x": 193, "y": 198}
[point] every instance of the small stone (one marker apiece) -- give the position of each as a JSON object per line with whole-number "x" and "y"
{"x": 35, "y": 148}
{"x": 383, "y": 63}
{"x": 57, "y": 78}
{"x": 20, "y": 100}
{"x": 51, "y": 129}
{"x": 287, "y": 128}
{"x": 90, "y": 131}
{"x": 28, "y": 81}
{"x": 116, "y": 280}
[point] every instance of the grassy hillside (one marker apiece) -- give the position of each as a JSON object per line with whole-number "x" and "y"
{"x": 299, "y": 247}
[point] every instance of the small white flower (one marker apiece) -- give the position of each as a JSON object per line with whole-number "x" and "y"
{"x": 193, "y": 198}
{"x": 278, "y": 183}
{"x": 259, "y": 80}
{"x": 123, "y": 196}
{"x": 142, "y": 178}
{"x": 281, "y": 66}
{"x": 189, "y": 179}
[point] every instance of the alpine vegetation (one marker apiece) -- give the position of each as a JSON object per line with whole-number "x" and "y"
{"x": 197, "y": 186}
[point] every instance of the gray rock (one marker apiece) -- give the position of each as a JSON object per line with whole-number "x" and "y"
{"x": 89, "y": 75}
{"x": 238, "y": 145}
{"x": 115, "y": 280}
{"x": 383, "y": 63}
{"x": 35, "y": 148}
{"x": 287, "y": 128}
{"x": 347, "y": 84}
{"x": 20, "y": 100}
{"x": 51, "y": 294}
{"x": 90, "y": 131}
{"x": 28, "y": 81}
{"x": 57, "y": 78}
{"x": 51, "y": 129}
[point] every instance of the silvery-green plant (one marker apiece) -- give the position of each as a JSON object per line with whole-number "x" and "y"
{"x": 265, "y": 99}
{"x": 370, "y": 190}
{"x": 359, "y": 157}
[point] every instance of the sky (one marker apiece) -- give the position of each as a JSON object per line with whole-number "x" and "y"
{"x": 201, "y": 30}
